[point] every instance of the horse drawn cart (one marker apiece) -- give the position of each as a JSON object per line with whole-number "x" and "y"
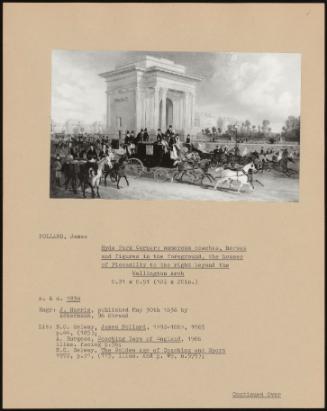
{"x": 173, "y": 163}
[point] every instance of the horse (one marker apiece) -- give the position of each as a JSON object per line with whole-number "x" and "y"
{"x": 203, "y": 154}
{"x": 70, "y": 170}
{"x": 116, "y": 170}
{"x": 110, "y": 169}
{"x": 190, "y": 166}
{"x": 90, "y": 175}
{"x": 120, "y": 169}
{"x": 242, "y": 176}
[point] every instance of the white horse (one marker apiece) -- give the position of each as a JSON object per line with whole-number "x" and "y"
{"x": 95, "y": 177}
{"x": 240, "y": 176}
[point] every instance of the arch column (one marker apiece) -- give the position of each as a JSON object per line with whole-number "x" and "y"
{"x": 192, "y": 109}
{"x": 156, "y": 116}
{"x": 185, "y": 112}
{"x": 163, "y": 109}
{"x": 138, "y": 108}
{"x": 108, "y": 111}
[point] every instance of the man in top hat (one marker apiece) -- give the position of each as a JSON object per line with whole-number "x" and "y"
{"x": 58, "y": 169}
{"x": 145, "y": 135}
{"x": 139, "y": 136}
{"x": 159, "y": 136}
{"x": 171, "y": 140}
{"x": 104, "y": 151}
{"x": 132, "y": 137}
{"x": 170, "y": 131}
{"x": 92, "y": 154}
{"x": 127, "y": 138}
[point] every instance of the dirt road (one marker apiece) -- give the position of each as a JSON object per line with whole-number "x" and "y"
{"x": 276, "y": 188}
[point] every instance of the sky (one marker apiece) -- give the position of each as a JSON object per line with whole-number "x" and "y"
{"x": 244, "y": 86}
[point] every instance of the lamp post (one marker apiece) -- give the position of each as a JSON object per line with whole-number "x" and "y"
{"x": 236, "y": 127}
{"x": 236, "y": 139}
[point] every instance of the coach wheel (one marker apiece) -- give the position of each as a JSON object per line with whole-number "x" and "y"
{"x": 134, "y": 167}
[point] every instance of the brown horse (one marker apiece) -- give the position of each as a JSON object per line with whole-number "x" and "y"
{"x": 198, "y": 170}
{"x": 90, "y": 175}
{"x": 120, "y": 168}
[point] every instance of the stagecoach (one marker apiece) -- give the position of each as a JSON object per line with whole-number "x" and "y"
{"x": 163, "y": 163}
{"x": 153, "y": 155}
{"x": 145, "y": 157}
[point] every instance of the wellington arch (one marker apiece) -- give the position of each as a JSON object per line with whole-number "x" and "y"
{"x": 150, "y": 93}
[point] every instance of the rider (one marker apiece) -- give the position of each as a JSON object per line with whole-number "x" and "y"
{"x": 165, "y": 144}
{"x": 104, "y": 151}
{"x": 127, "y": 142}
{"x": 132, "y": 146}
{"x": 92, "y": 154}
{"x": 171, "y": 141}
{"x": 92, "y": 158}
{"x": 110, "y": 157}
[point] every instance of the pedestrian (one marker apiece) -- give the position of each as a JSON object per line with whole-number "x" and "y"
{"x": 58, "y": 169}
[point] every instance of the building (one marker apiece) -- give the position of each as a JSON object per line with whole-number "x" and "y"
{"x": 150, "y": 93}
{"x": 57, "y": 127}
{"x": 96, "y": 127}
{"x": 73, "y": 126}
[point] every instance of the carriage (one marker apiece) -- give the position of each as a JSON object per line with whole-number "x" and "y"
{"x": 152, "y": 155}
{"x": 171, "y": 163}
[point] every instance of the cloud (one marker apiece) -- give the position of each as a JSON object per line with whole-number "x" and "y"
{"x": 253, "y": 86}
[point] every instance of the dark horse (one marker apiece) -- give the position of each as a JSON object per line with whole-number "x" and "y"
{"x": 86, "y": 173}
{"x": 120, "y": 169}
{"x": 116, "y": 172}
{"x": 71, "y": 170}
{"x": 202, "y": 154}
{"x": 112, "y": 172}
{"x": 199, "y": 170}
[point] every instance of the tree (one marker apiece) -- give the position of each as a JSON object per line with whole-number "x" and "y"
{"x": 247, "y": 125}
{"x": 265, "y": 124}
{"x": 220, "y": 123}
{"x": 292, "y": 123}
{"x": 291, "y": 130}
{"x": 230, "y": 128}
